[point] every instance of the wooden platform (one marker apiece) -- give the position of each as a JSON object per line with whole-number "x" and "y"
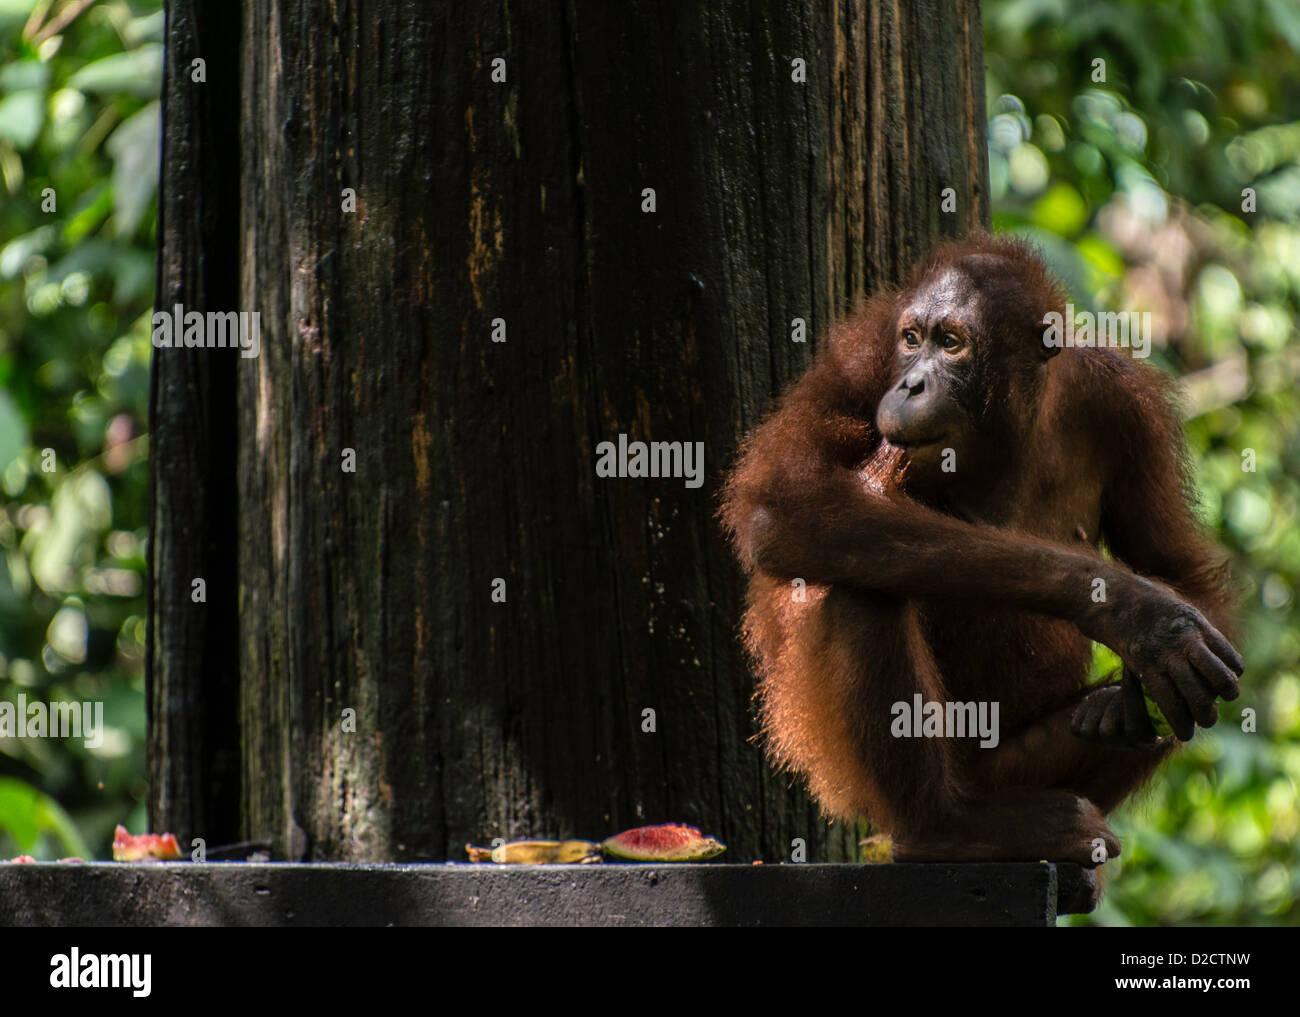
{"x": 289, "y": 894}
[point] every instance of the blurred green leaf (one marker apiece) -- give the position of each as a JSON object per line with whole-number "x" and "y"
{"x": 1286, "y": 16}
{"x": 135, "y": 72}
{"x": 15, "y": 12}
{"x": 1062, "y": 210}
{"x": 91, "y": 210}
{"x": 13, "y": 431}
{"x": 26, "y": 813}
{"x": 134, "y": 148}
{"x": 21, "y": 116}
{"x": 24, "y": 75}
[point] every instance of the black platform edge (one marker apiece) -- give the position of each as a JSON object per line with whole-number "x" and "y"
{"x": 332, "y": 894}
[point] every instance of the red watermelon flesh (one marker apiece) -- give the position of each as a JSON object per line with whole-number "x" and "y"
{"x": 668, "y": 842}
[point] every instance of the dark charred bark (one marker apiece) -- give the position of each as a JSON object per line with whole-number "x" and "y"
{"x": 192, "y": 666}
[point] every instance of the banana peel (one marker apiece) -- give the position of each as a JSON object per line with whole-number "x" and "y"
{"x": 537, "y": 852}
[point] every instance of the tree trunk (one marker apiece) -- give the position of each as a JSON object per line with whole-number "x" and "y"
{"x": 484, "y": 207}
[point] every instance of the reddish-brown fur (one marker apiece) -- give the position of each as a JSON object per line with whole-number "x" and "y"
{"x": 971, "y": 587}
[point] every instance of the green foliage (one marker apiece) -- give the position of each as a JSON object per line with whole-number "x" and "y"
{"x": 1133, "y": 185}
{"x": 78, "y": 176}
{"x": 33, "y": 818}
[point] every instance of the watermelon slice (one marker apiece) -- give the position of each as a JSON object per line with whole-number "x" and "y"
{"x": 668, "y": 842}
{"x": 147, "y": 847}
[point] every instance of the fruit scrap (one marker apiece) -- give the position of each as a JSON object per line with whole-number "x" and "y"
{"x": 668, "y": 842}
{"x": 537, "y": 852}
{"x": 147, "y": 847}
{"x": 877, "y": 849}
{"x": 21, "y": 859}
